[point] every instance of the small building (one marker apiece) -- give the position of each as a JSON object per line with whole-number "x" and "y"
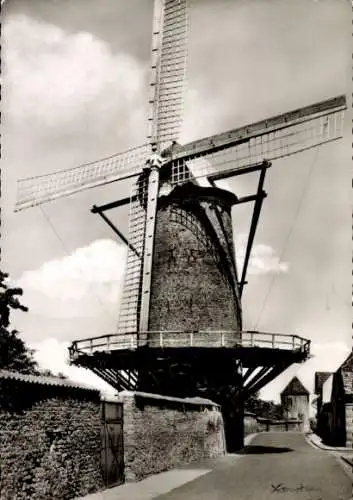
{"x": 295, "y": 402}
{"x": 335, "y": 407}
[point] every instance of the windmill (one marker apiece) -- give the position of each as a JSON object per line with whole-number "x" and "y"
{"x": 162, "y": 334}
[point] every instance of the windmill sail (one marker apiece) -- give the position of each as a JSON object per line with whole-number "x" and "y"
{"x": 277, "y": 137}
{"x": 131, "y": 296}
{"x": 34, "y": 191}
{"x": 169, "y": 57}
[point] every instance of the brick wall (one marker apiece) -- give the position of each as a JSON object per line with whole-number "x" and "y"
{"x": 161, "y": 433}
{"x": 49, "y": 441}
{"x": 192, "y": 286}
{"x": 349, "y": 425}
{"x": 283, "y": 427}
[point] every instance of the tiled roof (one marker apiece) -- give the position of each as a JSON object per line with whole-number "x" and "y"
{"x": 43, "y": 380}
{"x": 320, "y": 379}
{"x": 294, "y": 387}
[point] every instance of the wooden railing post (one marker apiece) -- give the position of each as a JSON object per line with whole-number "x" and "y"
{"x": 108, "y": 342}
{"x": 251, "y": 339}
{"x": 222, "y": 339}
{"x": 91, "y": 346}
{"x": 160, "y": 339}
{"x": 273, "y": 340}
{"x": 191, "y": 338}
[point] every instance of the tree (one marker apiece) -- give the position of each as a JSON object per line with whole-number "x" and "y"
{"x": 264, "y": 409}
{"x": 14, "y": 354}
{"x": 48, "y": 373}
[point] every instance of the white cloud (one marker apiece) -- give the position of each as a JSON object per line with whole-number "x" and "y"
{"x": 53, "y": 355}
{"x": 62, "y": 81}
{"x": 329, "y": 355}
{"x": 263, "y": 258}
{"x": 69, "y": 286}
{"x": 200, "y": 120}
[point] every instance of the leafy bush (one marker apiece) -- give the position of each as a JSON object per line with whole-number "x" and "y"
{"x": 251, "y": 427}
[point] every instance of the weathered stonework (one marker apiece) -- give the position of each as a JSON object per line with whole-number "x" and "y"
{"x": 194, "y": 280}
{"x": 162, "y": 433}
{"x": 49, "y": 441}
{"x": 349, "y": 425}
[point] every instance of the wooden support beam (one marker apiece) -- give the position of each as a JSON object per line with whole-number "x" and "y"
{"x": 234, "y": 172}
{"x": 250, "y": 198}
{"x": 124, "y": 382}
{"x": 262, "y": 372}
{"x": 271, "y": 375}
{"x": 253, "y": 227}
{"x": 116, "y": 231}
{"x": 113, "y": 204}
{"x": 248, "y": 374}
{"x": 101, "y": 373}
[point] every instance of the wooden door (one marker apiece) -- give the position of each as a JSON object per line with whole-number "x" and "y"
{"x": 112, "y": 445}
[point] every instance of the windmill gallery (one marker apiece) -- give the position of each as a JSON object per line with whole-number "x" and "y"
{"x": 180, "y": 331}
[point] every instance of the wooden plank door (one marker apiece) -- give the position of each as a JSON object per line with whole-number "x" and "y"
{"x": 112, "y": 445}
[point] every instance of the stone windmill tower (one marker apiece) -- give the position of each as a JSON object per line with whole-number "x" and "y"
{"x": 180, "y": 324}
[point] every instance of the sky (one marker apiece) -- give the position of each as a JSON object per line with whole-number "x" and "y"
{"x": 75, "y": 85}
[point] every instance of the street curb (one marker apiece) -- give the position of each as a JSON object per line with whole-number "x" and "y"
{"x": 347, "y": 460}
{"x": 249, "y": 438}
{"x": 318, "y": 444}
{"x": 347, "y": 467}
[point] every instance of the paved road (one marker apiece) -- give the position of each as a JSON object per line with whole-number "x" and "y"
{"x": 276, "y": 466}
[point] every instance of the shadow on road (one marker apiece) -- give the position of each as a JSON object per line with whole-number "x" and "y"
{"x": 263, "y": 450}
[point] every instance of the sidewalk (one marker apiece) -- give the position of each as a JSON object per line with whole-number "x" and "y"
{"x": 316, "y": 441}
{"x": 348, "y": 459}
{"x": 164, "y": 482}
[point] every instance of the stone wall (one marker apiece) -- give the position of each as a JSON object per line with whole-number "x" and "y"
{"x": 164, "y": 432}
{"x": 49, "y": 439}
{"x": 349, "y": 425}
{"x": 285, "y": 427}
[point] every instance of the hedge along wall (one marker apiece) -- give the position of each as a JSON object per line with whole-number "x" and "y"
{"x": 164, "y": 432}
{"x": 251, "y": 424}
{"x": 49, "y": 439}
